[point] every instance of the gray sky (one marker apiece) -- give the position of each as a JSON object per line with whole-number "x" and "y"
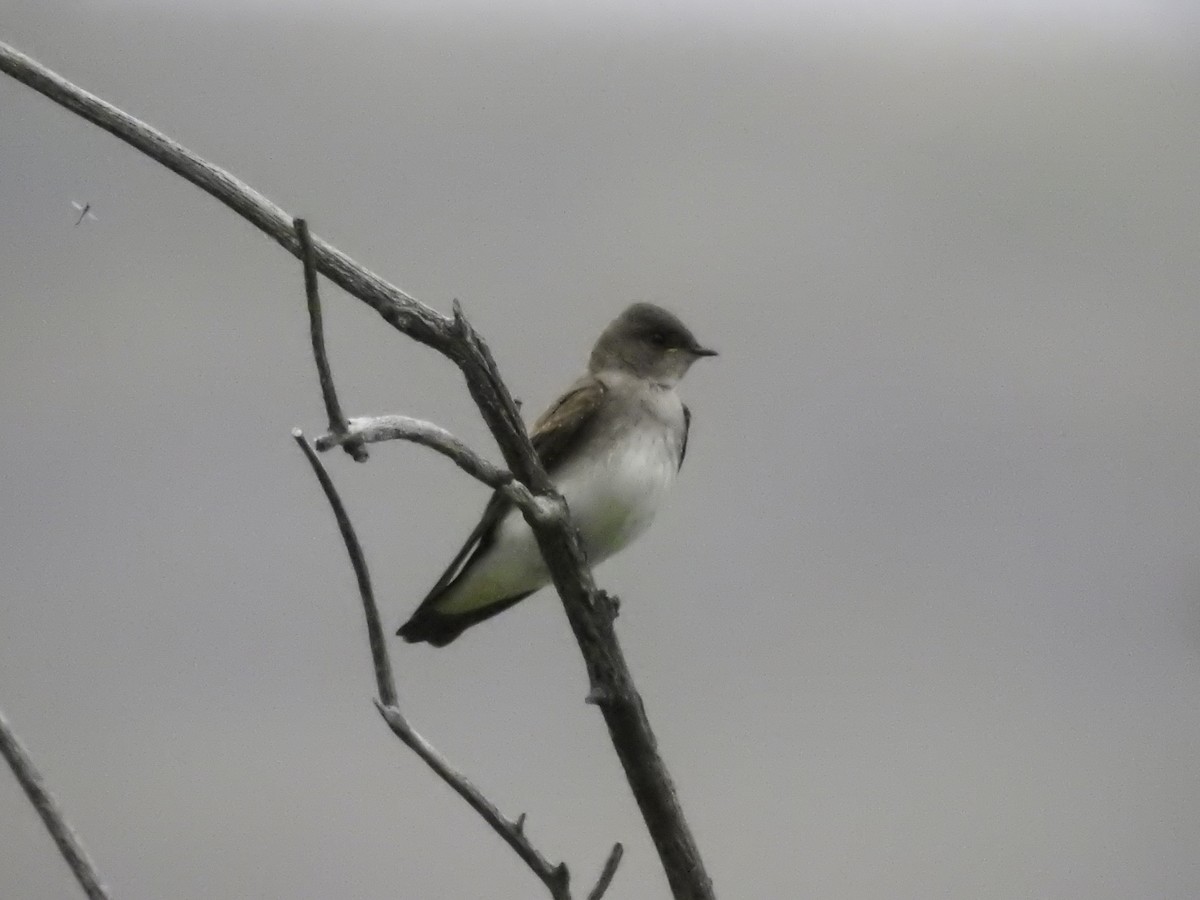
{"x": 922, "y": 617}
{"x": 1126, "y": 19}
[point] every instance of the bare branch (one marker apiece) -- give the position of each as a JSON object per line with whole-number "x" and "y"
{"x": 390, "y": 428}
{"x": 611, "y": 682}
{"x": 555, "y": 877}
{"x": 64, "y": 836}
{"x": 337, "y": 421}
{"x": 384, "y": 682}
{"x": 607, "y": 873}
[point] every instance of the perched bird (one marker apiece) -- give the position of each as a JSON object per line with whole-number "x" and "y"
{"x": 611, "y": 444}
{"x": 85, "y": 212}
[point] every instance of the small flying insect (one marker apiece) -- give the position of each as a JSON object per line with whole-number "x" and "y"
{"x": 85, "y": 212}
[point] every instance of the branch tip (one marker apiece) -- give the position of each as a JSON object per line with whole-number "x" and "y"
{"x": 511, "y": 832}
{"x": 607, "y": 873}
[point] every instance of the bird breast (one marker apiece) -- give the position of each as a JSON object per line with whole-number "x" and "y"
{"x": 614, "y": 496}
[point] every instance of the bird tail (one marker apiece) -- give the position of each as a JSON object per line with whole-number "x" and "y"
{"x": 428, "y": 625}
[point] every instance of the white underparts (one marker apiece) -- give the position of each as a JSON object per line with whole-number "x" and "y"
{"x": 613, "y": 490}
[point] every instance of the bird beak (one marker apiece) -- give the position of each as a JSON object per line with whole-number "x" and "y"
{"x": 703, "y": 351}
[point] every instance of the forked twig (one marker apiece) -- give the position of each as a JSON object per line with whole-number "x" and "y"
{"x": 337, "y": 421}
{"x": 555, "y": 877}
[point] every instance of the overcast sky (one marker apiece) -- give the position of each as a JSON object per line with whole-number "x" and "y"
{"x": 1130, "y": 19}
{"x": 921, "y": 619}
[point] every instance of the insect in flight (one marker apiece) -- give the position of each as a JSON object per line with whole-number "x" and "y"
{"x": 85, "y": 212}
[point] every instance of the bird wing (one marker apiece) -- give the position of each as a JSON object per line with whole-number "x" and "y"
{"x": 553, "y": 435}
{"x": 560, "y": 428}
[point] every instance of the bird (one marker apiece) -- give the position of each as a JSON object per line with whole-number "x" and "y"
{"x": 612, "y": 445}
{"x": 85, "y": 211}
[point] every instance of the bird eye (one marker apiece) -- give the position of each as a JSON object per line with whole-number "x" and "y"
{"x": 658, "y": 339}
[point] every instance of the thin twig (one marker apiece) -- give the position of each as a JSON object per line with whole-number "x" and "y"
{"x": 337, "y": 421}
{"x": 418, "y": 431}
{"x": 384, "y": 681}
{"x": 555, "y": 877}
{"x": 623, "y": 711}
{"x": 56, "y": 823}
{"x": 607, "y": 873}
